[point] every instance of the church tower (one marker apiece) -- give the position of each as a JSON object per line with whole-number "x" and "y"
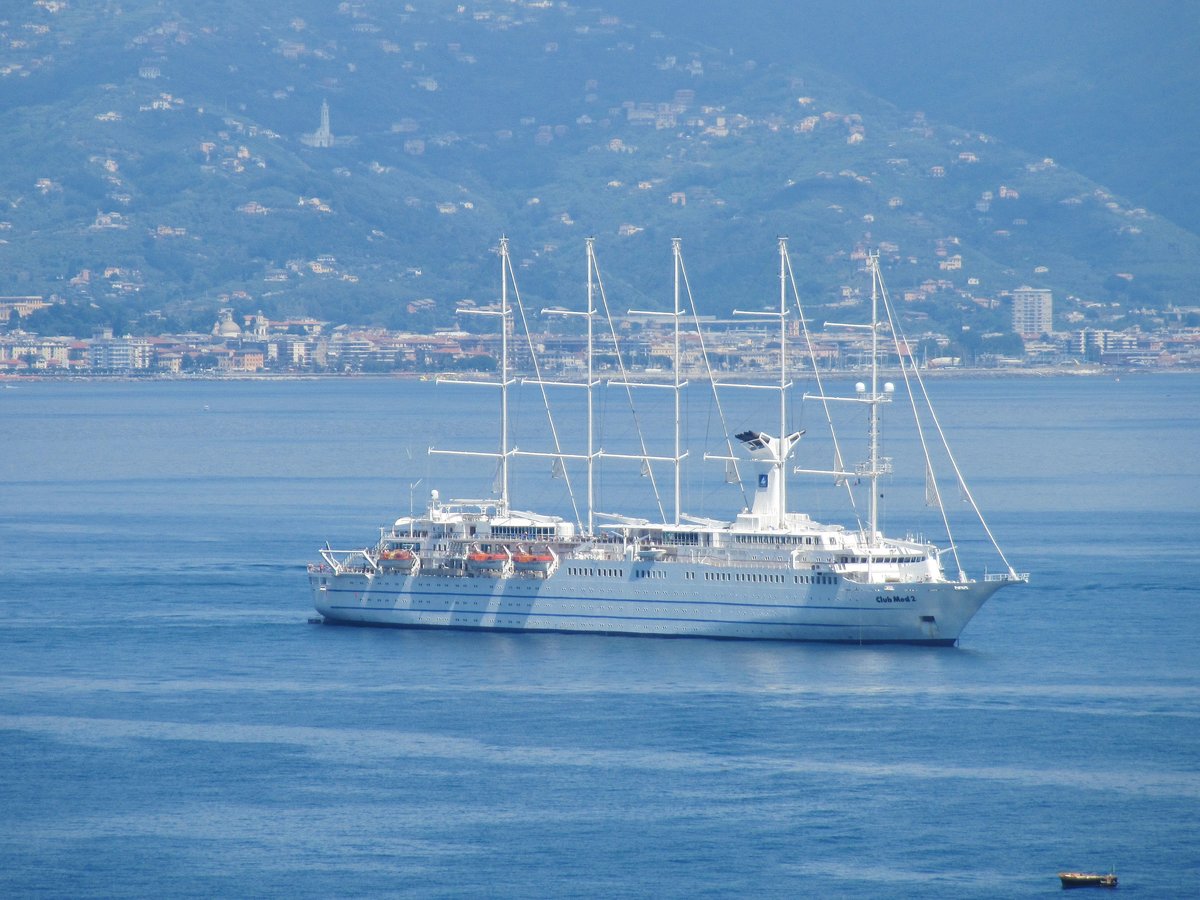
{"x": 322, "y": 137}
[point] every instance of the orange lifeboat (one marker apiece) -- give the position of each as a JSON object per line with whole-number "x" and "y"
{"x": 482, "y": 561}
{"x": 402, "y": 558}
{"x": 526, "y": 561}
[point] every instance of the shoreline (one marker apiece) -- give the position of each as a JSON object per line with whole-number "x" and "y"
{"x": 9, "y": 379}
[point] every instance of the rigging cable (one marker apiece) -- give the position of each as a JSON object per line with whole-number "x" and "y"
{"x": 648, "y": 469}
{"x": 713, "y": 381}
{"x": 838, "y": 462}
{"x": 898, "y": 335}
{"x": 545, "y": 399}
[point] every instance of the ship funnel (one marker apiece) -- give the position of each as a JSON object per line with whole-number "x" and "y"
{"x": 765, "y": 448}
{"x": 770, "y": 453}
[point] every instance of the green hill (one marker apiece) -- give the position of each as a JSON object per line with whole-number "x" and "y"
{"x": 156, "y": 169}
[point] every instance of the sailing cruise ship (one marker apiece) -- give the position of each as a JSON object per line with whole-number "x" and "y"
{"x": 767, "y": 573}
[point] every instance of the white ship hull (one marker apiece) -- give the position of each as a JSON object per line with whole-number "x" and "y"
{"x": 622, "y": 603}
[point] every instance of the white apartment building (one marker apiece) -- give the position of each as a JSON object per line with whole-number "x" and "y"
{"x": 1033, "y": 311}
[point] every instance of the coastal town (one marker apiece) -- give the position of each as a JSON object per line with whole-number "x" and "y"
{"x": 253, "y": 345}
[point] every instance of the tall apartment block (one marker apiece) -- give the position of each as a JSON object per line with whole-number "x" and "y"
{"x": 1032, "y": 311}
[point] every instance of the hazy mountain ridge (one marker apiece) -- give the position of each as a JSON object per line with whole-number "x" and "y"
{"x": 175, "y": 175}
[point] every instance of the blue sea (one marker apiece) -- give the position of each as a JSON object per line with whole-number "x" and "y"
{"x": 171, "y": 725}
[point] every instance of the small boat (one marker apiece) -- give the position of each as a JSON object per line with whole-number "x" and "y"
{"x": 1087, "y": 879}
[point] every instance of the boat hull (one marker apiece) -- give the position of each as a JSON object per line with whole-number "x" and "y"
{"x": 621, "y": 603}
{"x": 1085, "y": 879}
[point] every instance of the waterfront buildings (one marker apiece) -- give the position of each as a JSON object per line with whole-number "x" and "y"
{"x": 124, "y": 354}
{"x": 249, "y": 344}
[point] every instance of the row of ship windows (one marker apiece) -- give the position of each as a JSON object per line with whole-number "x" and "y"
{"x": 772, "y": 539}
{"x": 886, "y": 559}
{"x": 605, "y": 573}
{"x": 756, "y": 577}
{"x": 769, "y": 578}
{"x": 523, "y": 532}
{"x": 744, "y": 576}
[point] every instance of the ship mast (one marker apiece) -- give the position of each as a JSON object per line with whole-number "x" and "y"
{"x": 591, "y": 424}
{"x": 876, "y": 465}
{"x": 768, "y": 451}
{"x": 873, "y": 418}
{"x": 590, "y": 382}
{"x": 505, "y": 270}
{"x": 778, "y": 461}
{"x": 784, "y": 384}
{"x": 675, "y": 251}
{"x": 505, "y": 316}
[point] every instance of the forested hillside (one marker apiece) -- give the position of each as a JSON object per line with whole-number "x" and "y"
{"x": 165, "y": 159}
